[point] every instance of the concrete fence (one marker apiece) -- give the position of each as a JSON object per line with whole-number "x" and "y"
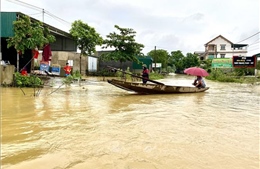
{"x": 6, "y": 74}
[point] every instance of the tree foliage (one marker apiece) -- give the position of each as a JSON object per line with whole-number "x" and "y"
{"x": 126, "y": 48}
{"x": 29, "y": 35}
{"x": 191, "y": 60}
{"x": 159, "y": 56}
{"x": 86, "y": 37}
{"x": 206, "y": 64}
{"x": 27, "y": 81}
{"x": 182, "y": 62}
{"x": 176, "y": 59}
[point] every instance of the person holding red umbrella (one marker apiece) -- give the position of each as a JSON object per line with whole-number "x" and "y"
{"x": 199, "y": 82}
{"x": 199, "y": 72}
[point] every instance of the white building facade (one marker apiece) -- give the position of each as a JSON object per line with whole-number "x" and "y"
{"x": 221, "y": 47}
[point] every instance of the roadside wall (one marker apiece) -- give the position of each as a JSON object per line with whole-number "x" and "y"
{"x": 6, "y": 74}
{"x": 61, "y": 58}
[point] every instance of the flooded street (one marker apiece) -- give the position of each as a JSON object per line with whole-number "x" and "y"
{"x": 99, "y": 126}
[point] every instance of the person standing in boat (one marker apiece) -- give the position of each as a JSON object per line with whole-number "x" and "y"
{"x": 145, "y": 74}
{"x": 199, "y": 82}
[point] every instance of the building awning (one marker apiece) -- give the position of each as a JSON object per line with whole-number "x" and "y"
{"x": 238, "y": 45}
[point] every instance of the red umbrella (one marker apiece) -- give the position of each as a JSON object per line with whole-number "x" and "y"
{"x": 196, "y": 71}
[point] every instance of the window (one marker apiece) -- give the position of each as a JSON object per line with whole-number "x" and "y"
{"x": 222, "y": 47}
{"x": 70, "y": 62}
{"x": 211, "y": 47}
{"x": 222, "y": 55}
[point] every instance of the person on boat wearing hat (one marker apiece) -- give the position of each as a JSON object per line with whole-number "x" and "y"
{"x": 145, "y": 74}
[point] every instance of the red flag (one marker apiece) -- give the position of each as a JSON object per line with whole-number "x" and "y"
{"x": 36, "y": 54}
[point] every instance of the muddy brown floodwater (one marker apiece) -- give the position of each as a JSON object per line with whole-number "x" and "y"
{"x": 99, "y": 126}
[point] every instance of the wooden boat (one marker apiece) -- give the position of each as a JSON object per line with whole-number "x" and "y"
{"x": 154, "y": 88}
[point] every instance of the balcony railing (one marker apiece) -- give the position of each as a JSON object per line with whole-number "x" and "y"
{"x": 211, "y": 51}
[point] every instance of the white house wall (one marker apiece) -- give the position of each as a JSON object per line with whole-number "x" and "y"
{"x": 229, "y": 51}
{"x": 219, "y": 41}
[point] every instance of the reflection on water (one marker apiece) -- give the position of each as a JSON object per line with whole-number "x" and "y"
{"x": 97, "y": 125}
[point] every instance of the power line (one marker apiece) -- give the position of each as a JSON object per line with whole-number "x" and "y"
{"x": 57, "y": 18}
{"x": 25, "y": 4}
{"x": 255, "y": 43}
{"x": 254, "y": 49}
{"x": 38, "y": 9}
{"x": 249, "y": 37}
{"x": 65, "y": 24}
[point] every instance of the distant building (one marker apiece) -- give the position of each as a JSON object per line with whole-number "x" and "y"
{"x": 63, "y": 49}
{"x": 133, "y": 66}
{"x": 201, "y": 55}
{"x": 220, "y": 47}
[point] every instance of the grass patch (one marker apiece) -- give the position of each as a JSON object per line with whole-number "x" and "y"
{"x": 236, "y": 77}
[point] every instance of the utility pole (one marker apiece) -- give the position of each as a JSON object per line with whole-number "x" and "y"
{"x": 42, "y": 15}
{"x": 155, "y": 58}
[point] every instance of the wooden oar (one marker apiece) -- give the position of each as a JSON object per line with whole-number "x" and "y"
{"x": 153, "y": 81}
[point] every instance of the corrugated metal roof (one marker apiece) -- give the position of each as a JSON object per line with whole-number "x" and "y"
{"x": 144, "y": 60}
{"x": 7, "y": 19}
{"x": 64, "y": 41}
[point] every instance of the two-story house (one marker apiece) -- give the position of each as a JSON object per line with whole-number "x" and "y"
{"x": 220, "y": 47}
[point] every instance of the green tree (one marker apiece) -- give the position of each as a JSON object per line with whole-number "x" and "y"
{"x": 29, "y": 35}
{"x": 206, "y": 64}
{"x": 176, "y": 60}
{"x": 126, "y": 48}
{"x": 190, "y": 60}
{"x": 86, "y": 38}
{"x": 159, "y": 56}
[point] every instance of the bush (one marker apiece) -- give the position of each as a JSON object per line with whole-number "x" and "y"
{"x": 245, "y": 71}
{"x": 155, "y": 76}
{"x": 170, "y": 69}
{"x": 102, "y": 72}
{"x": 119, "y": 73}
{"x": 128, "y": 74}
{"x": 224, "y": 76}
{"x": 258, "y": 65}
{"x": 76, "y": 74}
{"x": 68, "y": 80}
{"x": 27, "y": 81}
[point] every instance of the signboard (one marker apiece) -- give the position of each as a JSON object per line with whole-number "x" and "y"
{"x": 44, "y": 66}
{"x": 158, "y": 65}
{"x": 222, "y": 63}
{"x": 55, "y": 69}
{"x": 244, "y": 61}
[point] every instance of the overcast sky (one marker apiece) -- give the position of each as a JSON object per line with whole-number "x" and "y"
{"x": 172, "y": 25}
